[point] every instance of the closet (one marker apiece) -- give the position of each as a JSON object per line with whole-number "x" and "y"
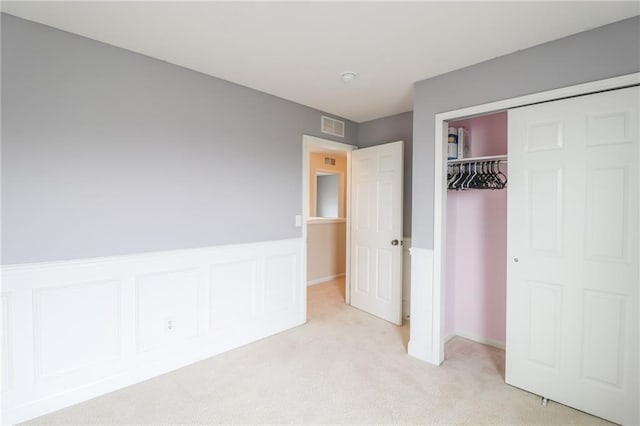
{"x": 476, "y": 238}
{"x": 564, "y": 298}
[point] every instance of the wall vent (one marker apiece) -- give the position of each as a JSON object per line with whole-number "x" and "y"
{"x": 331, "y": 126}
{"x": 330, "y": 161}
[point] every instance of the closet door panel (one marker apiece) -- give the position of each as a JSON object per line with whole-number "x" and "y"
{"x": 606, "y": 226}
{"x": 573, "y": 273}
{"x": 544, "y": 211}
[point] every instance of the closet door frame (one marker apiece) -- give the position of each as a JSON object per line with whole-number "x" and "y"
{"x": 433, "y": 352}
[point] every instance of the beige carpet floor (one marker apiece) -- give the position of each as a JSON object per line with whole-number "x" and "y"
{"x": 343, "y": 366}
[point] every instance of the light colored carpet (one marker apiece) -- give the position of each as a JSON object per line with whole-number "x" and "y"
{"x": 343, "y": 366}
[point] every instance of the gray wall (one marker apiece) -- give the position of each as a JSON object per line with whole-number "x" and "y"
{"x": 108, "y": 152}
{"x": 390, "y": 129}
{"x": 604, "y": 52}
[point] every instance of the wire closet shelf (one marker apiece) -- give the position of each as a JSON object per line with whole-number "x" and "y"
{"x": 476, "y": 173}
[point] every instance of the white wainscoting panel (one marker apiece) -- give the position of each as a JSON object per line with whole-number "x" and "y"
{"x": 73, "y": 330}
{"x": 166, "y": 308}
{"x": 280, "y": 287}
{"x": 406, "y": 278}
{"x": 76, "y": 328}
{"x": 229, "y": 287}
{"x": 421, "y": 339}
{"x": 6, "y": 343}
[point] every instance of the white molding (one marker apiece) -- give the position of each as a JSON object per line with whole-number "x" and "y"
{"x": 86, "y": 336}
{"x": 327, "y": 144}
{"x": 6, "y": 341}
{"x": 406, "y": 278}
{"x": 139, "y": 257}
{"x": 420, "y": 334}
{"x": 476, "y": 338}
{"x": 440, "y": 196}
{"x": 324, "y": 279}
{"x": 46, "y": 299}
{"x": 448, "y": 337}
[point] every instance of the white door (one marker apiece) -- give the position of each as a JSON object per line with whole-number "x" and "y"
{"x": 376, "y": 230}
{"x": 572, "y": 293}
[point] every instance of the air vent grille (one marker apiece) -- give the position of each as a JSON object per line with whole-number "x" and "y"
{"x": 330, "y": 161}
{"x": 331, "y": 126}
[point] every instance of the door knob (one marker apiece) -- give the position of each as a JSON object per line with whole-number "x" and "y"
{"x": 395, "y": 242}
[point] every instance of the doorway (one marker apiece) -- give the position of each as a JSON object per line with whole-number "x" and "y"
{"x": 325, "y": 218}
{"x": 430, "y": 346}
{"x": 371, "y": 203}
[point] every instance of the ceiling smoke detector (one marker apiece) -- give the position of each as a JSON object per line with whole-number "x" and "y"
{"x": 348, "y": 76}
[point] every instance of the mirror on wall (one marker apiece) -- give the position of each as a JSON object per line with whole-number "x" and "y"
{"x": 327, "y": 195}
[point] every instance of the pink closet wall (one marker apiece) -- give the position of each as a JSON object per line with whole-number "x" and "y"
{"x": 477, "y": 244}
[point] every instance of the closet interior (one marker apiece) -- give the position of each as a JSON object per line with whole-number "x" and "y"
{"x": 476, "y": 238}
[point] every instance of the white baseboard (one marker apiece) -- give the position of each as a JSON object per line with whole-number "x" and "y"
{"x": 477, "y": 339}
{"x": 73, "y": 330}
{"x": 324, "y": 279}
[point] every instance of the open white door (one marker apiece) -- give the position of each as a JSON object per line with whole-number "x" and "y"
{"x": 376, "y": 230}
{"x": 573, "y": 281}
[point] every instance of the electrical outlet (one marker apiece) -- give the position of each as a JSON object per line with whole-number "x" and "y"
{"x": 169, "y": 325}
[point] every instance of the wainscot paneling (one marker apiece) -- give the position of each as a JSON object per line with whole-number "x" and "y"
{"x": 422, "y": 311}
{"x": 406, "y": 278}
{"x": 6, "y": 343}
{"x": 77, "y": 329}
{"x": 166, "y": 308}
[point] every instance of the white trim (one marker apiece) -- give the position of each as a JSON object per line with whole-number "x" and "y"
{"x": 406, "y": 278}
{"x": 324, "y": 279}
{"x": 347, "y": 280}
{"x": 136, "y": 257}
{"x": 325, "y": 144}
{"x": 325, "y": 220}
{"x": 311, "y": 144}
{"x": 440, "y": 197}
{"x": 475, "y": 338}
{"x": 58, "y": 357}
{"x": 420, "y": 343}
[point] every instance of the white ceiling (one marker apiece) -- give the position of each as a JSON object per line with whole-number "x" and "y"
{"x": 297, "y": 50}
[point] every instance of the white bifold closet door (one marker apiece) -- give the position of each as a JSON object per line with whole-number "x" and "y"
{"x": 572, "y": 292}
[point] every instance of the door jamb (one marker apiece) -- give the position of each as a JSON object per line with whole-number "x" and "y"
{"x": 308, "y": 143}
{"x": 440, "y": 193}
